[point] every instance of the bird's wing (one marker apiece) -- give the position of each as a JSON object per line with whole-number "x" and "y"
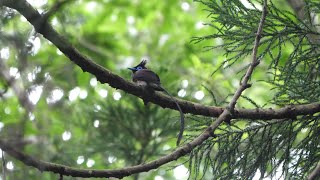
{"x": 147, "y": 76}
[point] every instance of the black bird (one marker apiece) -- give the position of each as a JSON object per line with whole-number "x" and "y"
{"x": 147, "y": 78}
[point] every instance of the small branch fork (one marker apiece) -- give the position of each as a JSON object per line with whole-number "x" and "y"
{"x": 105, "y": 76}
{"x": 244, "y": 83}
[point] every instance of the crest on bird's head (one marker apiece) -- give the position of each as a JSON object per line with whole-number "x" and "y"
{"x": 143, "y": 63}
{"x": 140, "y": 66}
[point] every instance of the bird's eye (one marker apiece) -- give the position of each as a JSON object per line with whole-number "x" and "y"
{"x": 139, "y": 68}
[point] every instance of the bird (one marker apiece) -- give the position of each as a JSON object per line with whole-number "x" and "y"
{"x": 143, "y": 76}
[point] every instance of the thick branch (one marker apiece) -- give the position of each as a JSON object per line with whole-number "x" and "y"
{"x": 64, "y": 170}
{"x": 119, "y": 173}
{"x": 105, "y": 76}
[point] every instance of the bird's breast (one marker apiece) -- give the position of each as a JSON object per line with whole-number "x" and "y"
{"x": 141, "y": 83}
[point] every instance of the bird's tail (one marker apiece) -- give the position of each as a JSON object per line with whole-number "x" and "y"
{"x": 180, "y": 135}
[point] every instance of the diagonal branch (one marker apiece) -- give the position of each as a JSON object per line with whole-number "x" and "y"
{"x": 104, "y": 76}
{"x": 225, "y": 116}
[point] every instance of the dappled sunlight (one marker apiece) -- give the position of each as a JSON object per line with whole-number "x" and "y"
{"x": 128, "y": 61}
{"x": 59, "y": 52}
{"x": 47, "y": 76}
{"x": 166, "y": 147}
{"x": 130, "y": 20}
{"x": 5, "y": 53}
{"x": 103, "y": 93}
{"x": 80, "y": 160}
{"x": 83, "y": 94}
{"x": 184, "y": 83}
{"x": 7, "y": 110}
{"x": 182, "y": 93}
{"x": 36, "y": 44}
{"x": 74, "y": 93}
{"x": 14, "y": 72}
{"x": 55, "y": 96}
{"x": 31, "y": 76}
{"x": 113, "y": 17}
{"x": 131, "y": 28}
{"x": 35, "y": 94}
{"x": 163, "y": 39}
{"x": 31, "y": 116}
{"x": 158, "y": 178}
{"x": 116, "y": 96}
{"x": 1, "y": 125}
{"x": 156, "y": 132}
{"x": 90, "y": 162}
{"x": 181, "y": 172}
{"x": 199, "y": 25}
{"x": 55, "y": 21}
{"x": 111, "y": 159}
{"x": 199, "y": 95}
{"x": 97, "y": 107}
{"x": 93, "y": 82}
{"x": 249, "y": 5}
{"x": 278, "y": 175}
{"x": 185, "y": 6}
{"x": 23, "y": 19}
{"x": 91, "y": 6}
{"x": 66, "y": 136}
{"x": 10, "y": 166}
{"x": 37, "y": 3}
{"x": 133, "y": 31}
{"x": 96, "y": 123}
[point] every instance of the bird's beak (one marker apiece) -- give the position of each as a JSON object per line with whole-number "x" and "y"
{"x": 132, "y": 69}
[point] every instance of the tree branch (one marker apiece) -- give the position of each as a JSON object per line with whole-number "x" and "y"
{"x": 115, "y": 81}
{"x": 64, "y": 170}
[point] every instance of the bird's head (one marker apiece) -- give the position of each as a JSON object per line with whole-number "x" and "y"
{"x": 140, "y": 66}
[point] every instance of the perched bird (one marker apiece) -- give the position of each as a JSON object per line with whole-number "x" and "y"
{"x": 147, "y": 78}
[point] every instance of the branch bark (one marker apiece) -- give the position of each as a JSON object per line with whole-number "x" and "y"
{"x": 86, "y": 64}
{"x": 104, "y": 76}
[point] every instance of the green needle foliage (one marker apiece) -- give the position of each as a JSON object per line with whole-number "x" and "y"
{"x": 286, "y": 148}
